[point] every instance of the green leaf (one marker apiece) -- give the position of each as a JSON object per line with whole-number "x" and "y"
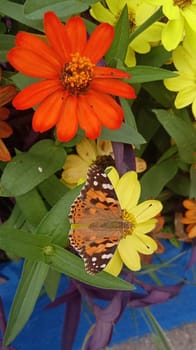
{"x": 51, "y": 283}
{"x": 35, "y": 9}
{"x": 28, "y": 291}
{"x": 56, "y": 223}
{"x": 118, "y": 49}
{"x": 32, "y": 207}
{"x": 23, "y": 243}
{"x": 125, "y": 134}
{"x": 128, "y": 114}
{"x": 29, "y": 169}
{"x": 153, "y": 181}
{"x": 158, "y": 91}
{"x": 147, "y": 126}
{"x": 16, "y": 218}
{"x": 181, "y": 131}
{"x": 142, "y": 74}
{"x": 16, "y": 11}
{"x": 52, "y": 189}
{"x": 7, "y": 42}
{"x": 180, "y": 185}
{"x": 156, "y": 57}
{"x": 192, "y": 193}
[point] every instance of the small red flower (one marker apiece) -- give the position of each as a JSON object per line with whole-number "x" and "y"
{"x": 73, "y": 90}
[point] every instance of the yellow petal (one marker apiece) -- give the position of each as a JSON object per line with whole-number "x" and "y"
{"x": 140, "y": 45}
{"x": 115, "y": 265}
{"x": 140, "y": 165}
{"x": 190, "y": 15}
{"x": 75, "y": 170}
{"x": 185, "y": 97}
{"x": 113, "y": 176}
{"x": 116, "y": 6}
{"x": 172, "y": 34}
{"x": 184, "y": 61}
{"x": 179, "y": 83}
{"x": 171, "y": 11}
{"x": 194, "y": 108}
{"x": 145, "y": 227}
{"x": 128, "y": 190}
{"x": 101, "y": 14}
{"x": 147, "y": 245}
{"x": 86, "y": 149}
{"x": 146, "y": 210}
{"x": 128, "y": 254}
{"x": 130, "y": 59}
{"x": 104, "y": 147}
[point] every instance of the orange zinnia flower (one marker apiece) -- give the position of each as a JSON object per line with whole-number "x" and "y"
{"x": 7, "y": 92}
{"x": 190, "y": 217}
{"x": 74, "y": 91}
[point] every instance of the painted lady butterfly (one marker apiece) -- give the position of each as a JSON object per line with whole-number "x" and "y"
{"x": 96, "y": 218}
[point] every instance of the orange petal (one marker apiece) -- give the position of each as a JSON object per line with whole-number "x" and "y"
{"x": 35, "y": 93}
{"x": 7, "y": 92}
{"x": 76, "y": 31}
{"x": 107, "y": 72}
{"x": 4, "y": 153}
{"x": 99, "y": 42}
{"x": 189, "y": 203}
{"x": 39, "y": 47}
{"x": 114, "y": 87}
{"x": 49, "y": 111}
{"x": 5, "y": 130}
{"x": 30, "y": 63}
{"x": 57, "y": 36}
{"x": 191, "y": 213}
{"x": 4, "y": 113}
{"x": 192, "y": 232}
{"x": 186, "y": 220}
{"x": 108, "y": 111}
{"x": 87, "y": 118}
{"x": 67, "y": 125}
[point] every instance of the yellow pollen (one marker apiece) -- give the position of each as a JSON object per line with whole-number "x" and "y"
{"x": 182, "y": 3}
{"x": 77, "y": 74}
{"x": 128, "y": 223}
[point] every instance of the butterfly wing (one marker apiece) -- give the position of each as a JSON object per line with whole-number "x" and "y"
{"x": 95, "y": 218}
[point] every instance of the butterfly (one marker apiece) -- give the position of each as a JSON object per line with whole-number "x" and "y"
{"x": 96, "y": 218}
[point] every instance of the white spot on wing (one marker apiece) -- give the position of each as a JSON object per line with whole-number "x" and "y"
{"x": 107, "y": 256}
{"x": 107, "y": 186}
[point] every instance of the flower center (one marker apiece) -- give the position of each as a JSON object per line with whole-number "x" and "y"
{"x": 77, "y": 74}
{"x": 182, "y": 3}
{"x": 128, "y": 223}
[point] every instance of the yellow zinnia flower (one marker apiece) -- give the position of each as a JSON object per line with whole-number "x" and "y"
{"x": 138, "y": 13}
{"x": 185, "y": 83}
{"x": 140, "y": 216}
{"x": 181, "y": 15}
